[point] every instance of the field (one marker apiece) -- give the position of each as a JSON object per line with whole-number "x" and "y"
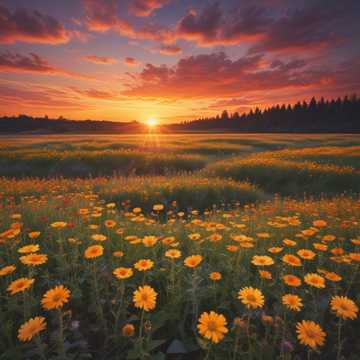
{"x": 200, "y": 246}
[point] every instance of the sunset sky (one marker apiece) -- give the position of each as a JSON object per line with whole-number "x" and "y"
{"x": 173, "y": 60}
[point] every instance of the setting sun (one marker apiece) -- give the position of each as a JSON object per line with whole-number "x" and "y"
{"x": 152, "y": 122}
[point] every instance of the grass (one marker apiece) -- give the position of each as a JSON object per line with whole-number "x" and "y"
{"x": 215, "y": 196}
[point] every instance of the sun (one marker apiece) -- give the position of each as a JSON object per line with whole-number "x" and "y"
{"x": 152, "y": 122}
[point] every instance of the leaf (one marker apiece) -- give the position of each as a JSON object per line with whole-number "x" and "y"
{"x": 153, "y": 344}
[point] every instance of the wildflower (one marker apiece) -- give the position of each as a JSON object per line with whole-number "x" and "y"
{"x": 136, "y": 210}
{"x": 311, "y": 334}
{"x": 291, "y": 280}
{"x": 265, "y": 274}
{"x": 354, "y": 256}
{"x": 292, "y": 302}
{"x": 168, "y": 240}
{"x": 55, "y": 298}
{"x": 20, "y": 285}
{"x": 291, "y": 260}
{"x": 128, "y": 330}
{"x": 275, "y": 250}
{"x": 332, "y": 276}
{"x": 193, "y": 261}
{"x": 232, "y": 248}
{"x": 58, "y": 224}
{"x": 98, "y": 237}
{"x": 267, "y": 319}
{"x": 144, "y": 264}
{"x": 328, "y": 238}
{"x": 251, "y": 298}
{"x": 173, "y": 253}
{"x": 145, "y": 298}
{"x": 306, "y": 254}
{"x": 6, "y": 270}
{"x": 289, "y": 242}
{"x": 314, "y": 280}
{"x": 34, "y": 259}
{"x": 158, "y": 207}
{"x": 212, "y": 326}
{"x": 195, "y": 236}
{"x": 110, "y": 224}
{"x": 215, "y": 276}
{"x": 149, "y": 241}
{"x": 123, "y": 273}
{"x": 93, "y": 251}
{"x": 215, "y": 237}
{"x": 262, "y": 260}
{"x": 31, "y": 328}
{"x": 344, "y": 307}
{"x": 319, "y": 223}
{"x": 34, "y": 234}
{"x": 118, "y": 253}
{"x": 321, "y": 247}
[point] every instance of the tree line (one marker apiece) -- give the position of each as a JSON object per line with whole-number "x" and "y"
{"x": 337, "y": 115}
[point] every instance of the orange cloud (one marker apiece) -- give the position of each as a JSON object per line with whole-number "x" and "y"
{"x": 101, "y": 60}
{"x": 170, "y": 50}
{"x": 130, "y": 61}
{"x": 145, "y": 7}
{"x": 33, "y": 63}
{"x": 30, "y": 26}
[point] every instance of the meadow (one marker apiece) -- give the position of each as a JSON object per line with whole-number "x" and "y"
{"x": 187, "y": 246}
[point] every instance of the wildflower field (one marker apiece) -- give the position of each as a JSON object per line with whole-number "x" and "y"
{"x": 206, "y": 246}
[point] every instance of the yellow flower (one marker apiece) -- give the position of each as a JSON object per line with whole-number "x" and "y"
{"x": 34, "y": 259}
{"x": 291, "y": 280}
{"x": 311, "y": 334}
{"x": 306, "y": 254}
{"x": 212, "y": 326}
{"x": 215, "y": 276}
{"x": 193, "y": 261}
{"x": 55, "y": 298}
{"x": 31, "y": 328}
{"x": 149, "y": 240}
{"x": 292, "y": 302}
{"x": 58, "y": 224}
{"x": 123, "y": 273}
{"x": 20, "y": 285}
{"x": 6, "y": 270}
{"x": 332, "y": 276}
{"x": 144, "y": 264}
{"x": 344, "y": 307}
{"x": 128, "y": 330}
{"x": 314, "y": 280}
{"x": 98, "y": 237}
{"x": 262, "y": 260}
{"x": 145, "y": 298}
{"x": 173, "y": 253}
{"x": 251, "y": 298}
{"x": 93, "y": 251}
{"x": 195, "y": 236}
{"x": 291, "y": 260}
{"x": 109, "y": 223}
{"x": 158, "y": 207}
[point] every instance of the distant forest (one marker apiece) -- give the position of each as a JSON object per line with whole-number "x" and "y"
{"x": 340, "y": 115}
{"x": 318, "y": 116}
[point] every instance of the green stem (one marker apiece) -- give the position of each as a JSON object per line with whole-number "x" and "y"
{"x": 338, "y": 356}
{"x": 61, "y": 349}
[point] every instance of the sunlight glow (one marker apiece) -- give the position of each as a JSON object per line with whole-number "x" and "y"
{"x": 152, "y": 122}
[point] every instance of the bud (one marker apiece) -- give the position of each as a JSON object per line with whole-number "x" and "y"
{"x": 147, "y": 326}
{"x": 128, "y": 330}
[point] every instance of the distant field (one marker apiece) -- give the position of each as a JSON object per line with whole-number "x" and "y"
{"x": 145, "y": 234}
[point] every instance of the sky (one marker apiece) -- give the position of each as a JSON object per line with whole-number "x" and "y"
{"x": 173, "y": 60}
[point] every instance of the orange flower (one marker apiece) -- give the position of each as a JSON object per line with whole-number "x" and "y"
{"x": 265, "y": 274}
{"x": 262, "y": 260}
{"x": 291, "y": 260}
{"x": 314, "y": 280}
{"x": 94, "y": 251}
{"x": 193, "y": 261}
{"x": 128, "y": 330}
{"x": 215, "y": 276}
{"x": 173, "y": 253}
{"x": 306, "y": 254}
{"x": 55, "y": 298}
{"x": 144, "y": 264}
{"x": 291, "y": 280}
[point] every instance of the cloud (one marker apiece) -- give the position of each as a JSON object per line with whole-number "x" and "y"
{"x": 130, "y": 61}
{"x": 102, "y": 16}
{"x": 213, "y": 75}
{"x": 145, "y": 7}
{"x": 170, "y": 50}
{"x": 312, "y": 27}
{"x": 30, "y": 26}
{"x": 213, "y": 27}
{"x": 101, "y": 60}
{"x": 33, "y": 63}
